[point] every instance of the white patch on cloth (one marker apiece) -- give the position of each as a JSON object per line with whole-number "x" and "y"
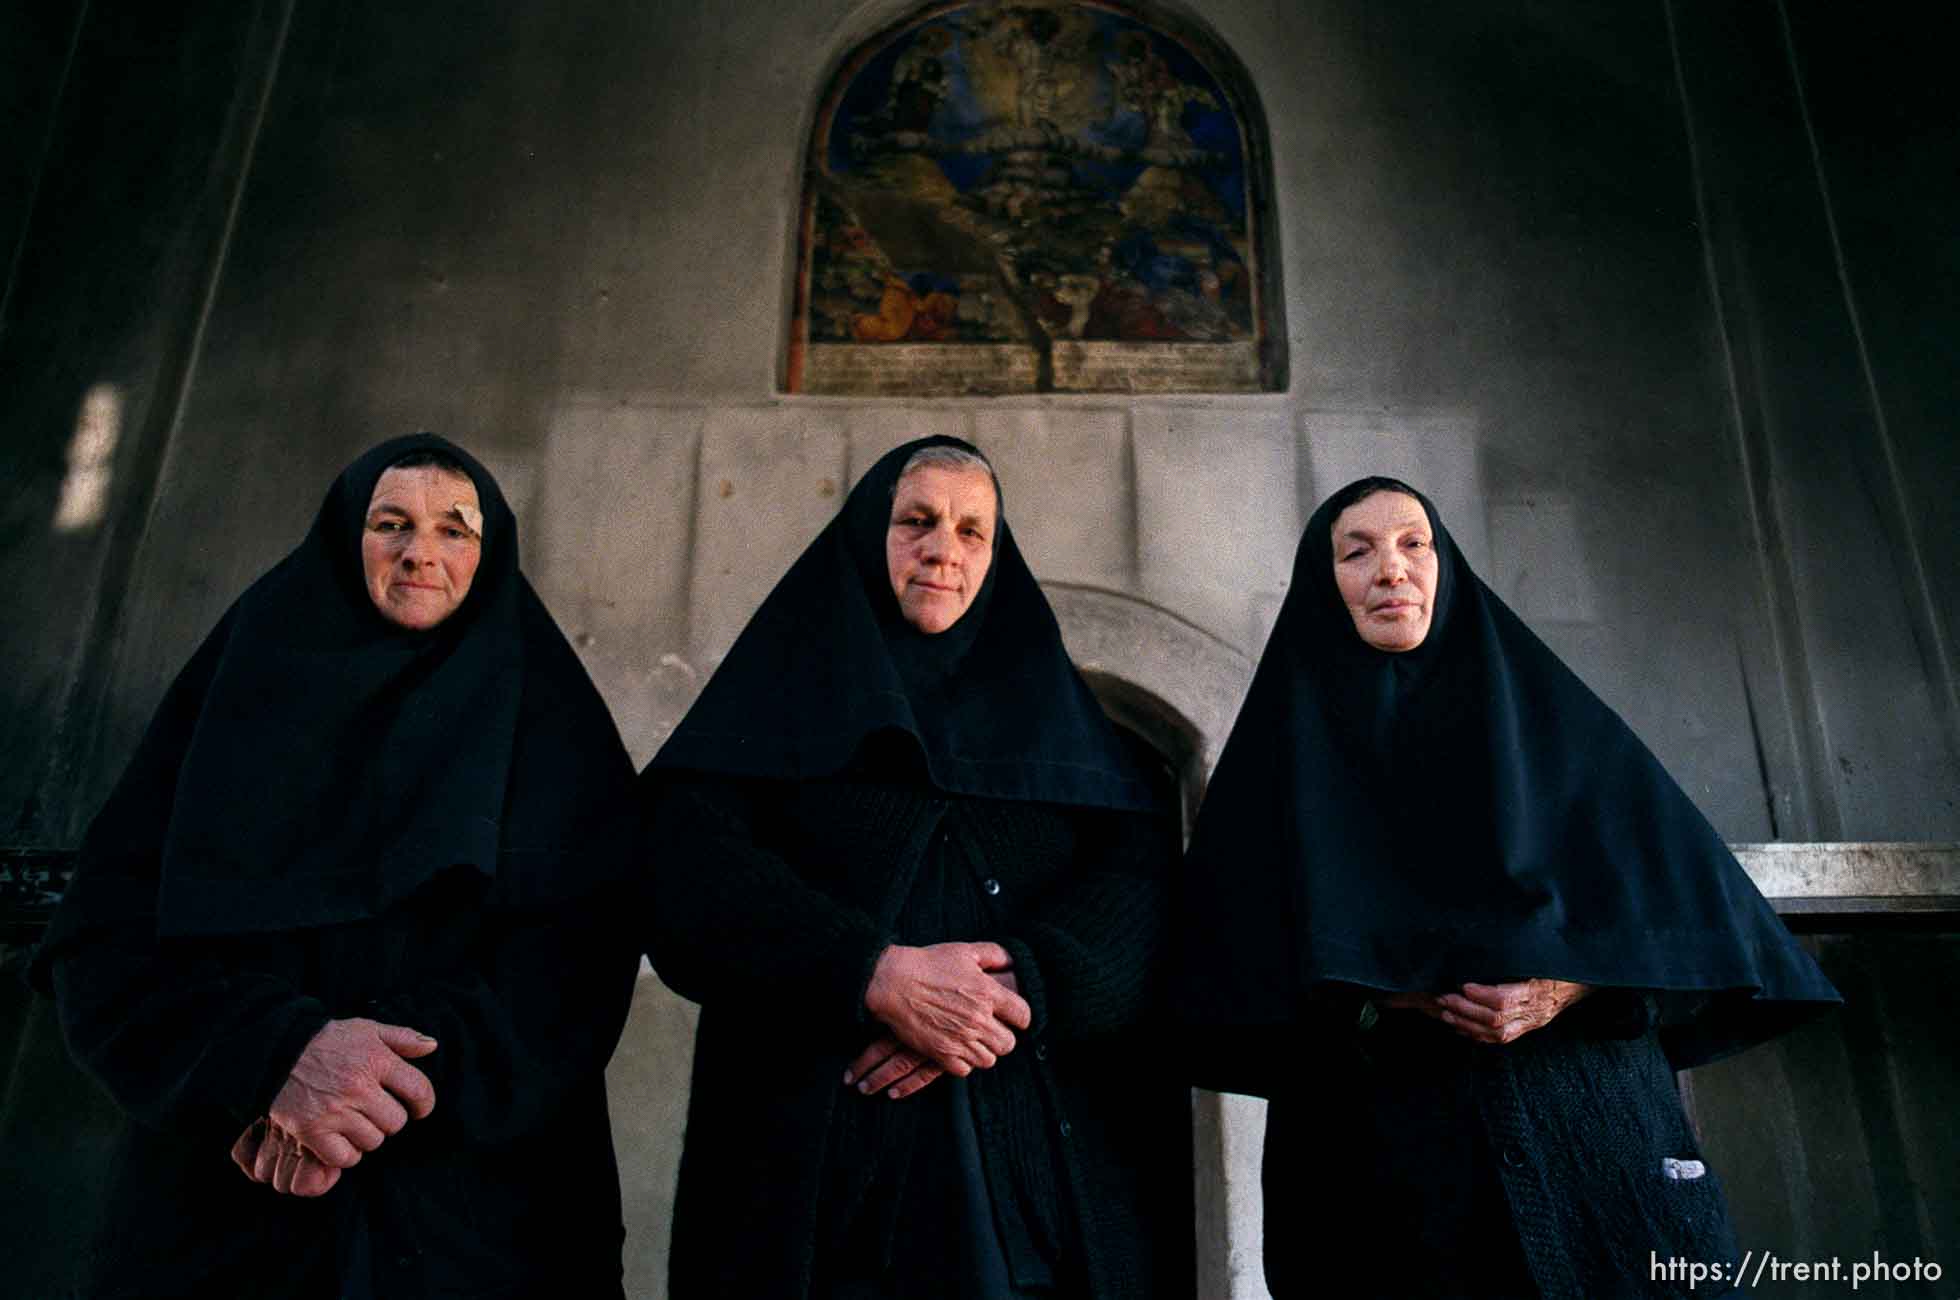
{"x": 1681, "y": 1171}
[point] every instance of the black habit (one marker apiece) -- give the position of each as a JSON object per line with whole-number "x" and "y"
{"x": 1464, "y": 811}
{"x": 334, "y": 817}
{"x": 846, "y": 783}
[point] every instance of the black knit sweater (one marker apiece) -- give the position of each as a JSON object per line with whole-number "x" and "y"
{"x": 771, "y": 904}
{"x": 1411, "y": 1162}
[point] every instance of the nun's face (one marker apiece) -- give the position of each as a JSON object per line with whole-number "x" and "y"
{"x": 1385, "y": 567}
{"x": 940, "y": 543}
{"x": 420, "y": 544}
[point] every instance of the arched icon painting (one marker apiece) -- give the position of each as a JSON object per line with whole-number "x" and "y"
{"x": 1014, "y": 198}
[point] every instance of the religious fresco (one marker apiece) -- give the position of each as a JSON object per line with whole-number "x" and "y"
{"x": 1031, "y": 197}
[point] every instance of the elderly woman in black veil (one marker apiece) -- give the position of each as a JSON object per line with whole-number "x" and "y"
{"x": 346, "y": 918}
{"x": 919, "y": 887}
{"x": 1447, "y": 912}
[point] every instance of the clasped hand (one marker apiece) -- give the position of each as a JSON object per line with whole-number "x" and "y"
{"x": 1494, "y": 1013}
{"x": 351, "y": 1090}
{"x": 952, "y": 1008}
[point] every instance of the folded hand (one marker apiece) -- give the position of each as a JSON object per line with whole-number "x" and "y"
{"x": 1494, "y": 1013}
{"x": 954, "y": 1005}
{"x": 351, "y": 1088}
{"x": 270, "y": 1155}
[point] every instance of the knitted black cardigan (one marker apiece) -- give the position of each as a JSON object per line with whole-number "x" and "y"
{"x": 772, "y": 902}
{"x": 1427, "y": 1165}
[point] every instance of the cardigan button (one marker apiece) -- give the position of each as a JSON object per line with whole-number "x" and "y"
{"x": 1064, "y": 1126}
{"x": 991, "y": 886}
{"x": 1513, "y": 1155}
{"x": 1370, "y": 1013}
{"x": 1041, "y": 1051}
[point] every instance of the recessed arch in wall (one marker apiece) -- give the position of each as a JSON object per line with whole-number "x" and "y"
{"x": 1012, "y": 196}
{"x": 1164, "y": 678}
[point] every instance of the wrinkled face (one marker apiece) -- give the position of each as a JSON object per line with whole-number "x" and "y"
{"x": 1385, "y": 567}
{"x": 420, "y": 544}
{"x": 940, "y": 543}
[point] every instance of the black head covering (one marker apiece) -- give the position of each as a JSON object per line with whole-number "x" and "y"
{"x": 1466, "y": 810}
{"x": 992, "y": 703}
{"x": 335, "y": 761}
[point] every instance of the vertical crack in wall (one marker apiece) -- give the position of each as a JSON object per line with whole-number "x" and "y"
{"x": 1129, "y": 470}
{"x": 691, "y": 544}
{"x": 1763, "y": 772}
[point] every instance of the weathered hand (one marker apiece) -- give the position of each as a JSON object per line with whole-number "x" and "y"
{"x": 266, "y": 1154}
{"x": 892, "y": 1068}
{"x": 1502, "y": 1013}
{"x": 351, "y": 1088}
{"x": 889, "y": 1066}
{"x": 945, "y": 1003}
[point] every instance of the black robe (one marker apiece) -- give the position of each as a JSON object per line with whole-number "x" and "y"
{"x": 1464, "y": 811}
{"x": 444, "y": 808}
{"x": 846, "y": 783}
{"x": 772, "y": 905}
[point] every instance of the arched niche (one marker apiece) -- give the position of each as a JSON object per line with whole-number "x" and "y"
{"x": 1016, "y": 196}
{"x": 1164, "y": 678}
{"x": 1157, "y": 673}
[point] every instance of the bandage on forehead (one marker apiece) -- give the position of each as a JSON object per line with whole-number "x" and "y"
{"x": 472, "y": 517}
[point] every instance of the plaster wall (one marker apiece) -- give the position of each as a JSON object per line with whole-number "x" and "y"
{"x": 1568, "y": 267}
{"x": 434, "y": 233}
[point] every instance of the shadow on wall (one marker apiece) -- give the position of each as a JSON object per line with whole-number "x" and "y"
{"x": 57, "y": 1139}
{"x": 1840, "y": 1140}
